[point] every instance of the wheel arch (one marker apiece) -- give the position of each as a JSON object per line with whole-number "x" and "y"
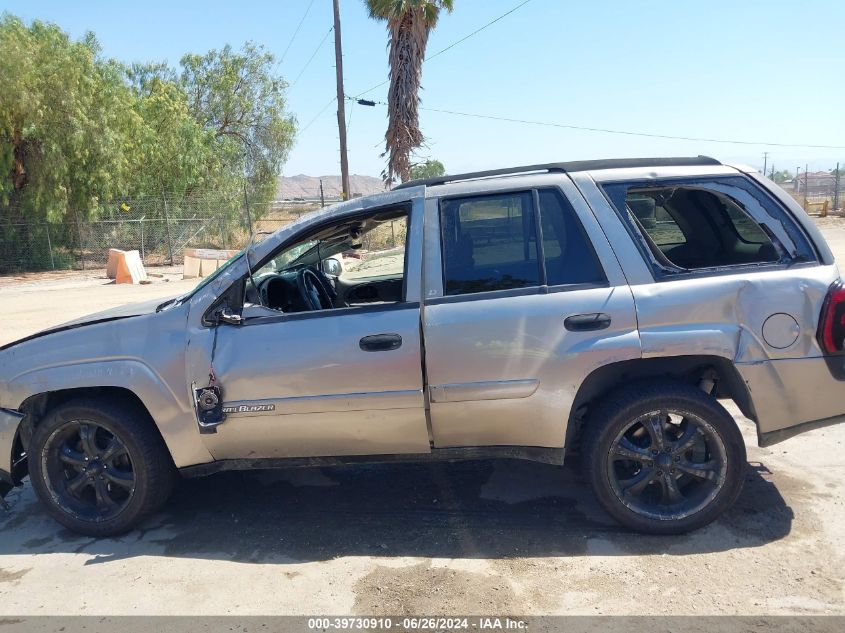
{"x": 37, "y": 406}
{"x": 128, "y": 379}
{"x": 716, "y": 375}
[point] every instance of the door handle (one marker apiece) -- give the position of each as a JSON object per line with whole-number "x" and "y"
{"x": 587, "y": 322}
{"x": 380, "y": 342}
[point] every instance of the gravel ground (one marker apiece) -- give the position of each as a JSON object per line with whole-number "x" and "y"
{"x": 469, "y": 538}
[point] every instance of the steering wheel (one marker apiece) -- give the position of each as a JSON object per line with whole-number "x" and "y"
{"x": 313, "y": 291}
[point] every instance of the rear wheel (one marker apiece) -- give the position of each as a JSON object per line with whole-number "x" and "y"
{"x": 99, "y": 467}
{"x": 664, "y": 459}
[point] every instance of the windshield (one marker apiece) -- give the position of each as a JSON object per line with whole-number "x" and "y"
{"x": 216, "y": 273}
{"x": 202, "y": 284}
{"x": 290, "y": 257}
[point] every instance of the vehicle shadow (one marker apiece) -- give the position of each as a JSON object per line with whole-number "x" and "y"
{"x": 485, "y": 509}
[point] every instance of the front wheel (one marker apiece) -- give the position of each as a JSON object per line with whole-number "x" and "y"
{"x": 99, "y": 467}
{"x": 664, "y": 459}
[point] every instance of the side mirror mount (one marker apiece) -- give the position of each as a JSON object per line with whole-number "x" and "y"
{"x": 226, "y": 316}
{"x": 332, "y": 266}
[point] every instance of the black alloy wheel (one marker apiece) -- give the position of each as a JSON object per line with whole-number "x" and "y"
{"x": 663, "y": 457}
{"x": 88, "y": 470}
{"x": 667, "y": 464}
{"x": 99, "y": 465}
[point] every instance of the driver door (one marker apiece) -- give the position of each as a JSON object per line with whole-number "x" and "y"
{"x": 341, "y": 381}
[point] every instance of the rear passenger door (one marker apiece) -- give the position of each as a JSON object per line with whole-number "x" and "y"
{"x": 524, "y": 299}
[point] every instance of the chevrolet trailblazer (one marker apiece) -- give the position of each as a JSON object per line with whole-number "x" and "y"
{"x": 603, "y": 307}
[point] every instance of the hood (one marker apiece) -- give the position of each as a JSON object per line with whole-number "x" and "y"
{"x": 121, "y": 312}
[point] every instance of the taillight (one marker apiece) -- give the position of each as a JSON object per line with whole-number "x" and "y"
{"x": 831, "y": 334}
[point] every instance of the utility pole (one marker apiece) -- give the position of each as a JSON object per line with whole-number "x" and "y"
{"x": 765, "y": 161}
{"x": 322, "y": 196}
{"x": 836, "y": 189}
{"x": 341, "y": 102}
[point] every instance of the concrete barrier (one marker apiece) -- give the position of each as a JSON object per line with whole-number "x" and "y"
{"x": 201, "y": 262}
{"x": 819, "y": 207}
{"x": 125, "y": 267}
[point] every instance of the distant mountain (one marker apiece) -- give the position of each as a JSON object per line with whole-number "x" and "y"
{"x": 308, "y": 187}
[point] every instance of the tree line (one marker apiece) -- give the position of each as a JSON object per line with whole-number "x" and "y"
{"x": 78, "y": 129}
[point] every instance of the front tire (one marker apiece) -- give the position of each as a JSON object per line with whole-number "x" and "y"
{"x": 99, "y": 467}
{"x": 664, "y": 458}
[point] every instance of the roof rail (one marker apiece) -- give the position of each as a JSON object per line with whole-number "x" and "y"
{"x": 578, "y": 165}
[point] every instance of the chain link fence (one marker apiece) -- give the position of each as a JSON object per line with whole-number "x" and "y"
{"x": 160, "y": 229}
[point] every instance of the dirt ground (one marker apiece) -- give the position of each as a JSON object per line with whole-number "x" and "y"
{"x": 492, "y": 537}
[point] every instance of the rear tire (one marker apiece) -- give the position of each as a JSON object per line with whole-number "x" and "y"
{"x": 99, "y": 467}
{"x": 663, "y": 458}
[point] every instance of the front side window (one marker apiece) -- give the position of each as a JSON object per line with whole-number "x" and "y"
{"x": 356, "y": 261}
{"x": 382, "y": 253}
{"x": 695, "y": 225}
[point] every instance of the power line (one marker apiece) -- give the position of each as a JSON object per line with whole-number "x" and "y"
{"x": 298, "y": 26}
{"x": 477, "y": 31}
{"x": 318, "y": 115}
{"x": 623, "y": 132}
{"x": 349, "y": 118}
{"x": 453, "y": 44}
{"x": 371, "y": 89}
{"x": 313, "y": 55}
{"x": 440, "y": 52}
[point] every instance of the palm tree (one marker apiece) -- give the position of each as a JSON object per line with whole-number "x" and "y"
{"x": 409, "y": 23}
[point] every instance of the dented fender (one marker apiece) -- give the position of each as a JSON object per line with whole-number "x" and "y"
{"x": 9, "y": 423}
{"x": 144, "y": 355}
{"x": 173, "y": 418}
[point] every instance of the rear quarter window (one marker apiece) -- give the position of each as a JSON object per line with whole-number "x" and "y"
{"x": 695, "y": 226}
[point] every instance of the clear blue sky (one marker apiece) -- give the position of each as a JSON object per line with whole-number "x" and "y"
{"x": 770, "y": 71}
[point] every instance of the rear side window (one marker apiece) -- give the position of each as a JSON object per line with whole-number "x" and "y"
{"x": 489, "y": 243}
{"x": 690, "y": 226}
{"x": 569, "y": 257}
{"x": 746, "y": 229}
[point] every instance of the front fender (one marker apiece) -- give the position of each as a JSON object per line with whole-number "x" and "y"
{"x": 9, "y": 423}
{"x": 173, "y": 417}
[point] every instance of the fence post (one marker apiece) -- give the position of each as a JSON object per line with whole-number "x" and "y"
{"x": 143, "y": 256}
{"x": 50, "y": 246}
{"x": 167, "y": 230}
{"x": 222, "y": 233}
{"x": 806, "y": 186}
{"x": 248, "y": 216}
{"x": 81, "y": 246}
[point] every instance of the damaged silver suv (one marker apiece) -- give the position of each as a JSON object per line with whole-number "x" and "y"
{"x": 603, "y": 307}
